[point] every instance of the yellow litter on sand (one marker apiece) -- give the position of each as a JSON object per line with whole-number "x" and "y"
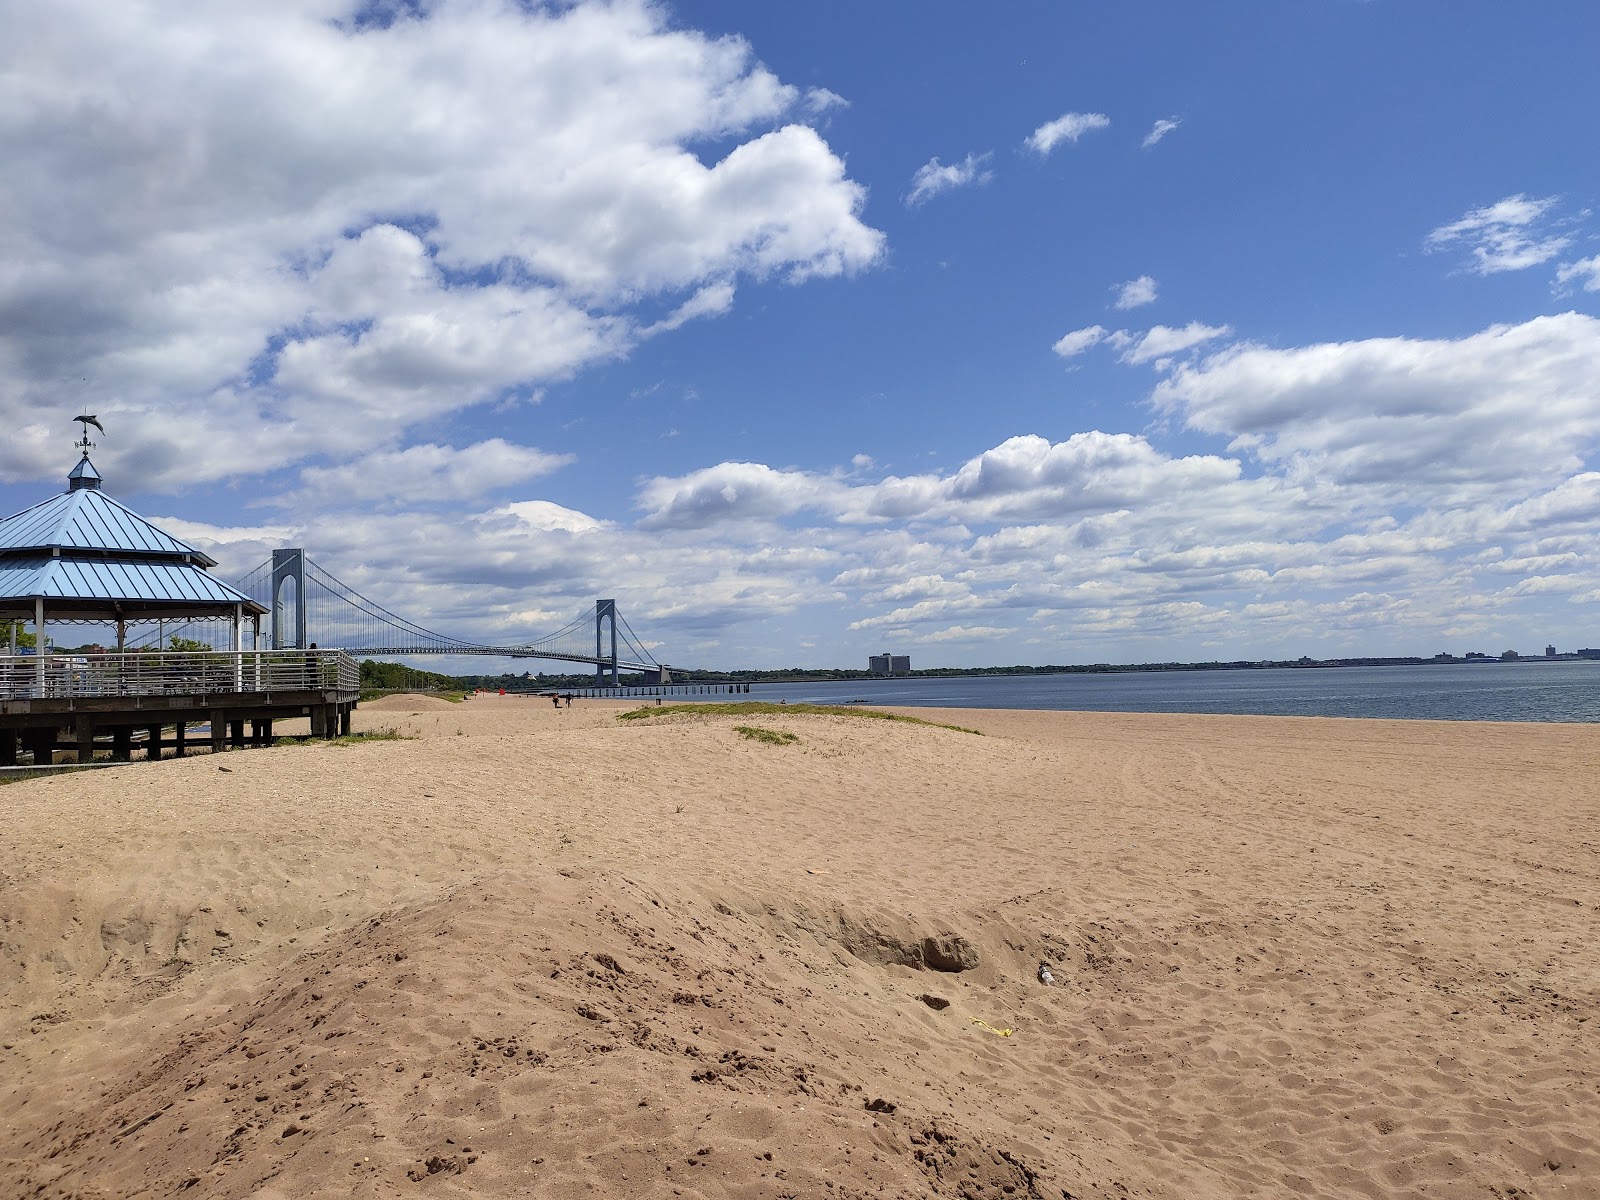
{"x": 979, "y": 1021}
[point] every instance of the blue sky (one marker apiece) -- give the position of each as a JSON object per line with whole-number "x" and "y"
{"x": 1063, "y": 333}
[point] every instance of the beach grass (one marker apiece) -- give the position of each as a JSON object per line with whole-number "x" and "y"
{"x": 773, "y": 737}
{"x": 753, "y": 708}
{"x": 385, "y": 734}
{"x": 18, "y": 774}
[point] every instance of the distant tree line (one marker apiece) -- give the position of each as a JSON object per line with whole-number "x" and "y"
{"x": 395, "y": 677}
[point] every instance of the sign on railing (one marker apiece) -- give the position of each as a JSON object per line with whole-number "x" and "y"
{"x": 176, "y": 673}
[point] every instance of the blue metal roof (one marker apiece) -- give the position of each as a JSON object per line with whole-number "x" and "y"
{"x": 132, "y": 582}
{"x": 88, "y": 519}
{"x": 86, "y": 555}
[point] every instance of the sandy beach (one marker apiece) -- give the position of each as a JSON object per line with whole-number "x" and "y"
{"x": 548, "y": 953}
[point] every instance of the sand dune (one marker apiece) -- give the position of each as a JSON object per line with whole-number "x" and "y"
{"x": 409, "y": 702}
{"x": 538, "y": 952}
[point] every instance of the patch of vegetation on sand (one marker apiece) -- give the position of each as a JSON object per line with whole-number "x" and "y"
{"x": 755, "y": 708}
{"x": 773, "y": 737}
{"x": 385, "y": 734}
{"x": 18, "y": 774}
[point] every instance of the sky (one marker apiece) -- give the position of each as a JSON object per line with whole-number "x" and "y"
{"x": 1059, "y": 332}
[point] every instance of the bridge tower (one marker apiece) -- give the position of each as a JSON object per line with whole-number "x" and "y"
{"x": 605, "y": 611}
{"x": 289, "y": 566}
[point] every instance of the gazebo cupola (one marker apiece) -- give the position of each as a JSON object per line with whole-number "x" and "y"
{"x": 83, "y": 475}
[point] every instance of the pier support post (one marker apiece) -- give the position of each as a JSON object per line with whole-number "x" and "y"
{"x": 41, "y": 744}
{"x": 152, "y": 749}
{"x": 83, "y": 734}
{"x": 236, "y": 734}
{"x": 8, "y": 747}
{"x": 122, "y": 743}
{"x": 344, "y": 720}
{"x": 219, "y": 731}
{"x": 180, "y": 739}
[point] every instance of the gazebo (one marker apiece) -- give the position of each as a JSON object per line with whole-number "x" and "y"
{"x": 82, "y": 558}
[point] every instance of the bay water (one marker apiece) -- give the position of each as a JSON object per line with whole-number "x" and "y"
{"x": 1492, "y": 691}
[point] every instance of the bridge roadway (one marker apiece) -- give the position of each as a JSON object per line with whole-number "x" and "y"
{"x": 622, "y": 664}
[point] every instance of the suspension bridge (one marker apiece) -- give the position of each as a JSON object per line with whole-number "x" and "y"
{"x": 306, "y": 605}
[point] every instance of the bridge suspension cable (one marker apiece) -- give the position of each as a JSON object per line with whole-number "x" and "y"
{"x": 631, "y": 640}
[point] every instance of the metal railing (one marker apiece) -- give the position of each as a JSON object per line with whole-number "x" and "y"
{"x": 176, "y": 673}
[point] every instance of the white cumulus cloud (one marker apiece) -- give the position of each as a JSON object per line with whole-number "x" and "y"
{"x": 1510, "y": 406}
{"x": 1136, "y": 292}
{"x": 821, "y": 100}
{"x": 1160, "y": 130}
{"x": 934, "y": 177}
{"x": 424, "y": 473}
{"x": 1068, "y": 127}
{"x": 1070, "y": 345}
{"x": 710, "y": 301}
{"x": 1512, "y": 235}
{"x": 1162, "y": 341}
{"x": 1023, "y": 476}
{"x": 966, "y": 633}
{"x": 1584, "y": 273}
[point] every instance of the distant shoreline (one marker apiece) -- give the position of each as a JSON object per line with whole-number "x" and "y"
{"x": 1022, "y": 672}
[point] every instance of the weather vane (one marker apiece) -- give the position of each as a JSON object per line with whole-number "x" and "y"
{"x": 84, "y": 443}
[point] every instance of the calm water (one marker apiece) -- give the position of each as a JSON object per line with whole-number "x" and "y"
{"x": 1559, "y": 691}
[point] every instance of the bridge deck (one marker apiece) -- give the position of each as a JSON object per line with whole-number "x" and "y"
{"x": 500, "y": 652}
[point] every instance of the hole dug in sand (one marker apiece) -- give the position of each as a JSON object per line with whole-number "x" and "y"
{"x": 973, "y": 1168}
{"x": 885, "y": 941}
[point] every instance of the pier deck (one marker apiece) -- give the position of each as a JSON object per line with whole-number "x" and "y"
{"x": 81, "y": 703}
